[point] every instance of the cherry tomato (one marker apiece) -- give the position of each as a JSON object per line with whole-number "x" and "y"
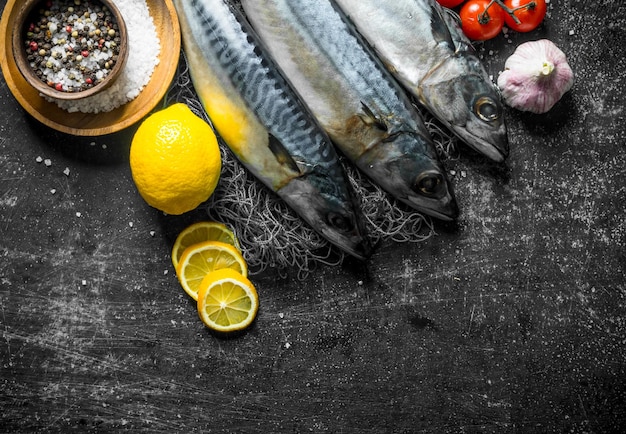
{"x": 450, "y": 3}
{"x": 530, "y": 13}
{"x": 481, "y": 19}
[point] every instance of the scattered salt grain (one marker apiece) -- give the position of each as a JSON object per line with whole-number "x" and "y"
{"x": 66, "y": 172}
{"x": 84, "y": 282}
{"x": 53, "y": 191}
{"x": 131, "y": 224}
{"x": 38, "y": 159}
{"x": 287, "y": 345}
{"x": 152, "y": 233}
{"x": 47, "y": 162}
{"x": 571, "y": 32}
{"x": 78, "y": 214}
{"x": 143, "y": 56}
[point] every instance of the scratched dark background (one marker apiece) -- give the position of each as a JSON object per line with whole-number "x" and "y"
{"x": 512, "y": 320}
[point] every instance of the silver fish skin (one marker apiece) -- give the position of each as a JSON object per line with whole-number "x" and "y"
{"x": 429, "y": 54}
{"x": 265, "y": 124}
{"x": 355, "y": 99}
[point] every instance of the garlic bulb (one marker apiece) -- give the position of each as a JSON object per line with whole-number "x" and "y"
{"x": 536, "y": 76}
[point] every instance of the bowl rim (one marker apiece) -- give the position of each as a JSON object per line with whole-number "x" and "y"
{"x": 19, "y": 54}
{"x": 126, "y": 116}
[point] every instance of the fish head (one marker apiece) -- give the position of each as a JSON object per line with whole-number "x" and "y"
{"x": 417, "y": 178}
{"x": 330, "y": 209}
{"x": 460, "y": 94}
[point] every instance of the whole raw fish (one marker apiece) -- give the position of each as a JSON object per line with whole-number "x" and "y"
{"x": 428, "y": 53}
{"x": 355, "y": 99}
{"x": 265, "y": 124}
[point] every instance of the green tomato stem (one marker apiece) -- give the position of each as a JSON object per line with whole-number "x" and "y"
{"x": 483, "y": 17}
{"x": 510, "y": 11}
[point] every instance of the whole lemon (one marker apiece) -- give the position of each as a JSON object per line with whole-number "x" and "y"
{"x": 175, "y": 160}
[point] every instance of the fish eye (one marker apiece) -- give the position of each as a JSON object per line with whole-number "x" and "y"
{"x": 431, "y": 184}
{"x": 339, "y": 221}
{"x": 487, "y": 109}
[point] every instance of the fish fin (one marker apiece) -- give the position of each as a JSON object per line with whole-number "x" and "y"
{"x": 453, "y": 21}
{"x": 439, "y": 26}
{"x": 282, "y": 155}
{"x": 371, "y": 119}
{"x": 451, "y": 16}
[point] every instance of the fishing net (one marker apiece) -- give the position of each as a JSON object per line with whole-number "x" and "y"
{"x": 271, "y": 234}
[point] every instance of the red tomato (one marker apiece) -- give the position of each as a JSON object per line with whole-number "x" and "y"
{"x": 450, "y": 3}
{"x": 530, "y": 13}
{"x": 480, "y": 21}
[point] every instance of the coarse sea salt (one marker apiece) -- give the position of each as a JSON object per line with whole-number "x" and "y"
{"x": 143, "y": 56}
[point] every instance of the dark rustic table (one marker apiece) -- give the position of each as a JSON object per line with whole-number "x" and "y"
{"x": 512, "y": 320}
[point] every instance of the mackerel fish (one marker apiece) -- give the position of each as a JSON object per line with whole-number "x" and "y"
{"x": 363, "y": 109}
{"x": 429, "y": 54}
{"x": 265, "y": 124}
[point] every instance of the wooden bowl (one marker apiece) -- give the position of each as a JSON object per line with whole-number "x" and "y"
{"x": 88, "y": 124}
{"x": 25, "y": 15}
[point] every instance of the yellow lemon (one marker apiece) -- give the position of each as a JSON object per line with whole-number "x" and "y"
{"x": 175, "y": 160}
{"x": 227, "y": 301}
{"x": 201, "y": 259}
{"x": 200, "y": 232}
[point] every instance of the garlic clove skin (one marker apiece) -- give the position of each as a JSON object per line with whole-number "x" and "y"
{"x": 535, "y": 77}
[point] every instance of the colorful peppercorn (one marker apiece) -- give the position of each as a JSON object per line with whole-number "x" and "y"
{"x": 66, "y": 27}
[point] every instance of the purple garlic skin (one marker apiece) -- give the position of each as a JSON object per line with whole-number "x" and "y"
{"x": 535, "y": 77}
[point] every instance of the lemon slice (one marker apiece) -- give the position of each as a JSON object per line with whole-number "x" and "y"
{"x": 203, "y": 258}
{"x": 200, "y": 232}
{"x": 227, "y": 301}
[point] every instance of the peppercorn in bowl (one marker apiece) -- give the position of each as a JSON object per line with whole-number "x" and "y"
{"x": 69, "y": 49}
{"x": 153, "y": 47}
